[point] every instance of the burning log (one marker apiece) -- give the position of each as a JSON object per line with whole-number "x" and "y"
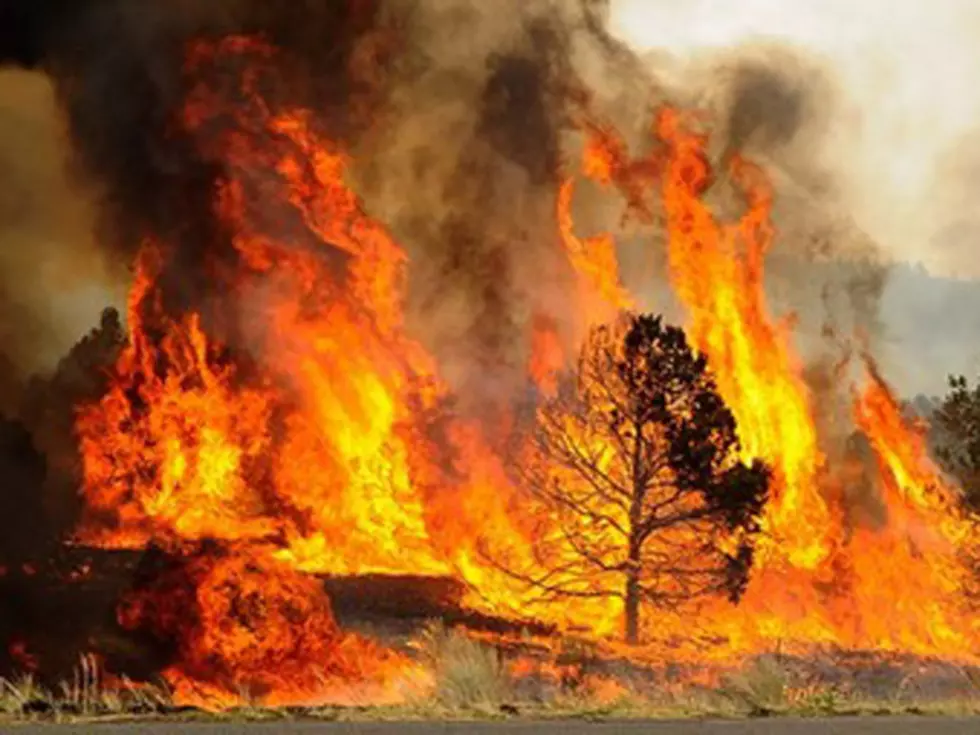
{"x": 417, "y": 598}
{"x": 394, "y": 595}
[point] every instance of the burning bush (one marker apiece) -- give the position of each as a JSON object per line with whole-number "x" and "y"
{"x": 635, "y": 466}
{"x": 239, "y": 621}
{"x": 468, "y": 673}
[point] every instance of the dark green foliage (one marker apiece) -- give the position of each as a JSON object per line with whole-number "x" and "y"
{"x": 637, "y": 456}
{"x": 956, "y": 436}
{"x": 672, "y": 387}
{"x": 48, "y": 409}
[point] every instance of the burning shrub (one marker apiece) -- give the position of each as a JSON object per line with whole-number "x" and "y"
{"x": 238, "y": 620}
{"x": 636, "y": 467}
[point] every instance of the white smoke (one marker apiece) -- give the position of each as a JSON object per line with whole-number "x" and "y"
{"x": 902, "y": 139}
{"x": 53, "y": 279}
{"x": 908, "y": 72}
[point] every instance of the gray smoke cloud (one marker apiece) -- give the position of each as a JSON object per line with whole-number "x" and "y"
{"x": 904, "y": 88}
{"x": 894, "y": 140}
{"x": 776, "y": 105}
{"x": 486, "y": 108}
{"x": 53, "y": 279}
{"x": 468, "y": 135}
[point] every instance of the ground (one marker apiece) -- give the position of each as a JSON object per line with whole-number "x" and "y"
{"x": 480, "y": 682}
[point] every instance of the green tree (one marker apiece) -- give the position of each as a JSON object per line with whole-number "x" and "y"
{"x": 48, "y": 409}
{"x": 955, "y": 436}
{"x": 636, "y": 464}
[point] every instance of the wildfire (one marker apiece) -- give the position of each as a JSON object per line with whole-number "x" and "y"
{"x": 717, "y": 273}
{"x": 246, "y": 622}
{"x": 308, "y": 434}
{"x": 822, "y": 576}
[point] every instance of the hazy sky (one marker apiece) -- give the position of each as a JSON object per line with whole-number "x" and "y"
{"x": 53, "y": 283}
{"x": 909, "y": 68}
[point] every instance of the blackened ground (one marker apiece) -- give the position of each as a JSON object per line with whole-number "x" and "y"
{"x": 55, "y": 611}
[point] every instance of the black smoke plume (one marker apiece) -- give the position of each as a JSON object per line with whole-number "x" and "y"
{"x": 471, "y": 140}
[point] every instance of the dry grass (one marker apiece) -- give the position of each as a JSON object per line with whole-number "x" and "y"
{"x": 765, "y": 687}
{"x": 469, "y": 674}
{"x": 471, "y": 680}
{"x": 759, "y": 688}
{"x": 85, "y": 695}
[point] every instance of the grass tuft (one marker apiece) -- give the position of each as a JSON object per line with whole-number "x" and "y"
{"x": 761, "y": 688}
{"x": 469, "y": 675}
{"x": 85, "y": 695}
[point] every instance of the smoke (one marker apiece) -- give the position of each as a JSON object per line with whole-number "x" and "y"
{"x": 903, "y": 70}
{"x": 458, "y": 117}
{"x": 486, "y": 109}
{"x": 886, "y": 131}
{"x": 466, "y": 179}
{"x": 461, "y": 120}
{"x": 53, "y": 281}
{"x": 778, "y": 105}
{"x": 120, "y": 74}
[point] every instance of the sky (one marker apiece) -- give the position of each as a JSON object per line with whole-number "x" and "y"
{"x": 907, "y": 70}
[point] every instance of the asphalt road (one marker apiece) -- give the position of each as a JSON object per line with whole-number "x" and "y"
{"x": 833, "y": 726}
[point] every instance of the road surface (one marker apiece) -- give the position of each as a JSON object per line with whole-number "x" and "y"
{"x": 831, "y": 726}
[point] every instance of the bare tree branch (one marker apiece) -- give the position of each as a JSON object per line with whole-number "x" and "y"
{"x": 630, "y": 464}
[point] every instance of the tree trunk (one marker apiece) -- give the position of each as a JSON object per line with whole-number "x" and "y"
{"x": 631, "y": 612}
{"x": 632, "y": 608}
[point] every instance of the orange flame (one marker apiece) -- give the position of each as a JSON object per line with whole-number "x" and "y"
{"x": 820, "y": 578}
{"x": 317, "y": 442}
{"x": 325, "y": 458}
{"x": 717, "y": 273}
{"x": 246, "y": 623}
